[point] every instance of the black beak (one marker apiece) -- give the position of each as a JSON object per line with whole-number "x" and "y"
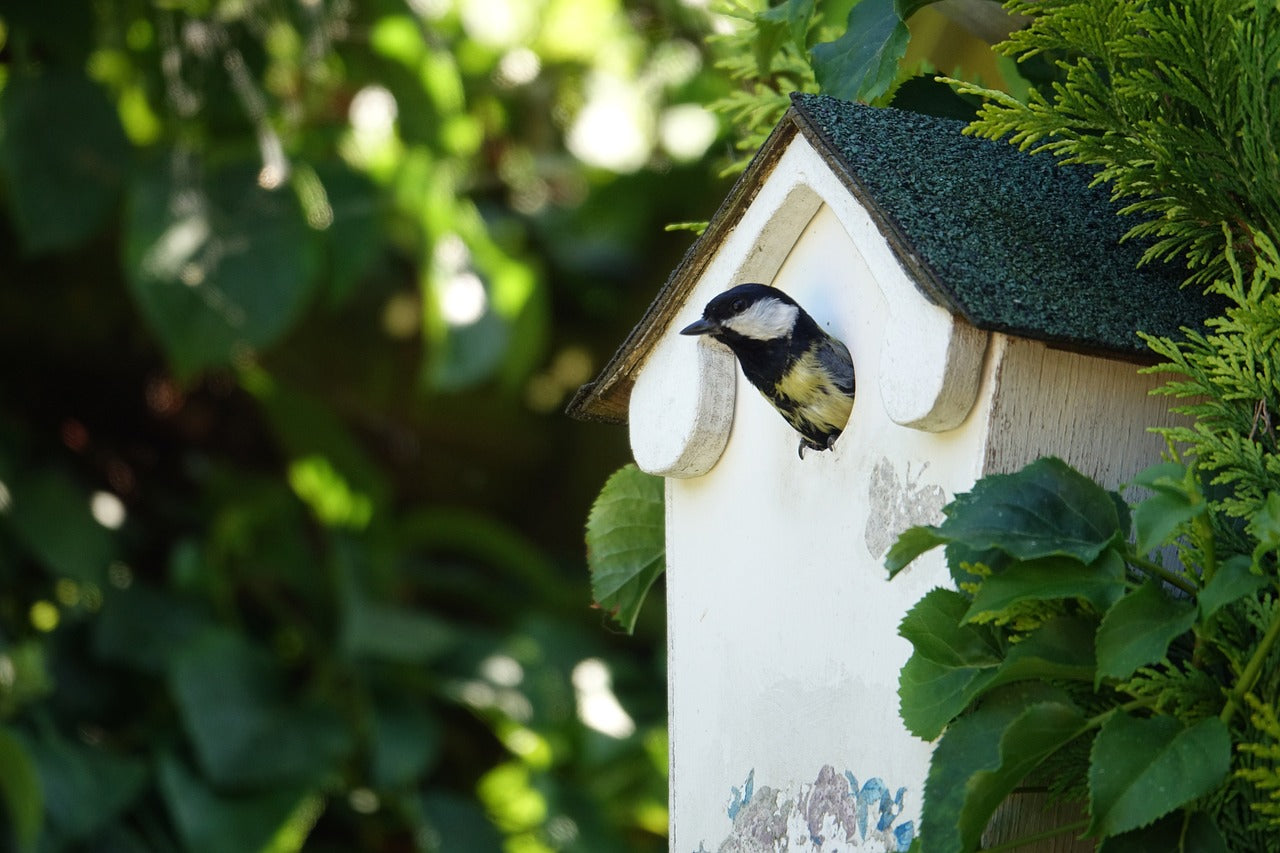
{"x": 699, "y": 327}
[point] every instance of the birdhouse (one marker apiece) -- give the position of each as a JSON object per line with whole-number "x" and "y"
{"x": 991, "y": 313}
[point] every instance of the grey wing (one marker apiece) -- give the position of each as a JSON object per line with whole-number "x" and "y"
{"x": 834, "y": 356}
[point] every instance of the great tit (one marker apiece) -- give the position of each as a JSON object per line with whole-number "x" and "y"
{"x": 806, "y": 374}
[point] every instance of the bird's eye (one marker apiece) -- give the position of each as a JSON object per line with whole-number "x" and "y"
{"x": 737, "y": 306}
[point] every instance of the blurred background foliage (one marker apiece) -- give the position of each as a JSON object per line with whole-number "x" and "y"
{"x": 291, "y": 297}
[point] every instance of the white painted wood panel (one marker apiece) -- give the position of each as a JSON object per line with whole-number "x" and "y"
{"x": 783, "y": 625}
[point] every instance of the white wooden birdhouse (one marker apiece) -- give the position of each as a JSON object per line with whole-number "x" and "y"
{"x": 991, "y": 314}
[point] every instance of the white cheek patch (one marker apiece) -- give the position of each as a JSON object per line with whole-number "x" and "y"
{"x": 766, "y": 320}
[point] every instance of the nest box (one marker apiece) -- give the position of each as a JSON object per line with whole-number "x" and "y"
{"x": 992, "y": 314}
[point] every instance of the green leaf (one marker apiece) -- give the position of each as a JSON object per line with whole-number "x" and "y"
{"x": 243, "y": 730}
{"x": 933, "y": 693}
{"x": 459, "y": 823}
{"x": 1137, "y": 630}
{"x": 1047, "y": 509}
{"x": 861, "y": 64}
{"x": 1061, "y": 648}
{"x": 63, "y": 155}
{"x": 375, "y": 630}
{"x": 1265, "y": 527}
{"x": 795, "y": 14}
{"x": 218, "y": 269}
{"x": 50, "y": 516}
{"x": 1049, "y": 578}
{"x": 911, "y": 543}
{"x": 626, "y": 548}
{"x": 1233, "y": 580}
{"x": 1142, "y": 769}
{"x": 84, "y": 787}
{"x": 1179, "y": 832}
{"x": 934, "y": 626}
{"x": 22, "y": 793}
{"x": 984, "y": 755}
{"x": 212, "y": 823}
{"x": 1176, "y": 500}
{"x": 354, "y": 239}
{"x": 406, "y": 742}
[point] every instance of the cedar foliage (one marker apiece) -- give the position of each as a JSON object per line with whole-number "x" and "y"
{"x": 1176, "y": 104}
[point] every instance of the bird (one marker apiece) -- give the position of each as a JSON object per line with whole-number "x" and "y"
{"x": 804, "y": 373}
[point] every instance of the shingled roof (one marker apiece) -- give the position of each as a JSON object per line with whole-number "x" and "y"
{"x": 1009, "y": 241}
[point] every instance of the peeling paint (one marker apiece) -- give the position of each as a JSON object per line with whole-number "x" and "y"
{"x": 833, "y": 814}
{"x": 897, "y": 503}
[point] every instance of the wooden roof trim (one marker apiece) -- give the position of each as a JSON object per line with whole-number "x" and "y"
{"x": 607, "y": 396}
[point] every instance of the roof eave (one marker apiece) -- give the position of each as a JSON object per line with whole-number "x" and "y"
{"x": 606, "y": 397}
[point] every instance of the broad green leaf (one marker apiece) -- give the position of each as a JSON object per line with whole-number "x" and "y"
{"x": 389, "y": 632}
{"x": 218, "y": 268}
{"x": 22, "y": 793}
{"x": 1062, "y": 648}
{"x": 984, "y": 755}
{"x": 1233, "y": 580}
{"x": 795, "y": 14}
{"x": 50, "y": 515}
{"x": 244, "y": 731}
{"x": 911, "y": 543}
{"x": 353, "y": 239}
{"x": 961, "y": 559}
{"x": 406, "y": 743}
{"x": 1179, "y": 832}
{"x": 861, "y": 64}
{"x": 460, "y": 824}
{"x": 84, "y": 786}
{"x": 626, "y": 548}
{"x": 1141, "y": 769}
{"x": 209, "y": 822}
{"x": 1047, "y": 509}
{"x": 63, "y": 156}
{"x": 1265, "y": 527}
{"x": 934, "y": 628}
{"x": 139, "y": 627}
{"x": 932, "y": 694}
{"x": 1176, "y": 500}
{"x": 1137, "y": 630}
{"x": 1101, "y": 583}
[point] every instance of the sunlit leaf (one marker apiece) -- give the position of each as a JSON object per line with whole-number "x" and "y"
{"x": 860, "y": 65}
{"x": 626, "y": 545}
{"x": 221, "y": 267}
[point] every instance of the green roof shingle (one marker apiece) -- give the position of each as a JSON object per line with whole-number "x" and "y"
{"x": 1011, "y": 242}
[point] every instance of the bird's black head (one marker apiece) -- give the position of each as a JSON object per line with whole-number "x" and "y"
{"x": 753, "y": 311}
